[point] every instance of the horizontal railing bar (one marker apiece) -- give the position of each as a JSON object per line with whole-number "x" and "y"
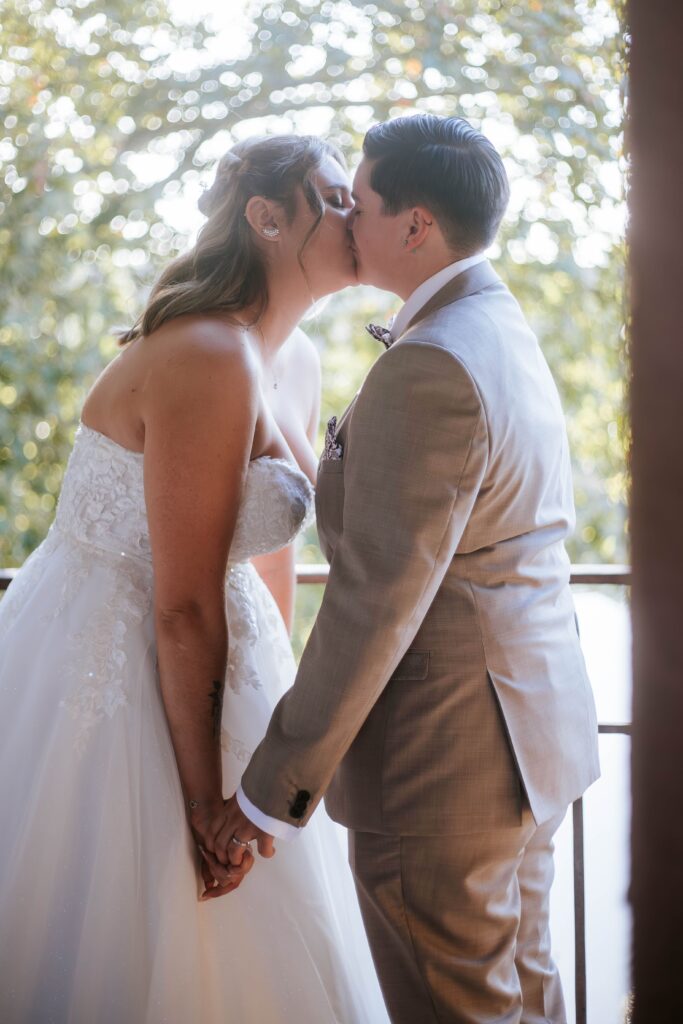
{"x": 312, "y": 573}
{"x": 601, "y": 575}
{"x": 319, "y": 573}
{"x": 596, "y": 575}
{"x": 619, "y": 575}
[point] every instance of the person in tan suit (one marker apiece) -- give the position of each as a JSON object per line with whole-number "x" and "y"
{"x": 441, "y": 706}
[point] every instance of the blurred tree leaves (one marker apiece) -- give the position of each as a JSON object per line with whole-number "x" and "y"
{"x": 111, "y": 110}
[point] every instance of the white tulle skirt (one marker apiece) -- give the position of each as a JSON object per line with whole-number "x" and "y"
{"x": 99, "y": 917}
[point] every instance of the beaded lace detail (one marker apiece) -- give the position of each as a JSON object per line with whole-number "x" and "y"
{"x": 247, "y": 622}
{"x": 103, "y": 502}
{"x": 97, "y": 661}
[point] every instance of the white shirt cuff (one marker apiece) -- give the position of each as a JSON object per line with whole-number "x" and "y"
{"x": 273, "y": 826}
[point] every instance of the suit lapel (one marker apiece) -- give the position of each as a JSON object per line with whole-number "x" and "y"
{"x": 330, "y": 492}
{"x": 470, "y": 281}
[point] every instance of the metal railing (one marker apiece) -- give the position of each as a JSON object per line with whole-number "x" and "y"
{"x": 591, "y": 575}
{"x": 588, "y": 575}
{"x": 619, "y": 575}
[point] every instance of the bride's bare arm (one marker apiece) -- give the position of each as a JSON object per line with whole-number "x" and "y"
{"x": 200, "y": 409}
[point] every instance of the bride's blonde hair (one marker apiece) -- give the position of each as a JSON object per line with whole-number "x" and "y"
{"x": 225, "y": 271}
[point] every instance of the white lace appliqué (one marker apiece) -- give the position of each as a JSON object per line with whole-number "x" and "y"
{"x": 277, "y": 504}
{"x": 243, "y": 629}
{"x": 233, "y": 746}
{"x": 77, "y": 570}
{"x": 98, "y": 662}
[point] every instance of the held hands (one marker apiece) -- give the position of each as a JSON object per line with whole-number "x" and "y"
{"x": 206, "y": 821}
{"x": 238, "y": 830}
{"x": 222, "y": 833}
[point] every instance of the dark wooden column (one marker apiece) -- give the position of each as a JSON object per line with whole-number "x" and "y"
{"x": 656, "y": 146}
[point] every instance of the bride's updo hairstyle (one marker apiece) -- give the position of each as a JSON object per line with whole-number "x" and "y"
{"x": 226, "y": 271}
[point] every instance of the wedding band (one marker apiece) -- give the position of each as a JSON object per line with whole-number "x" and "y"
{"x": 239, "y": 842}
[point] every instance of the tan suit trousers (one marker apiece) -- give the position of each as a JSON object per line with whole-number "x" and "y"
{"x": 458, "y": 925}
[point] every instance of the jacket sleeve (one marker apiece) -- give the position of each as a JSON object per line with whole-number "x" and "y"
{"x": 416, "y": 453}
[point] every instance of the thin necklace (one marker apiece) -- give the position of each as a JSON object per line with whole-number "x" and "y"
{"x": 276, "y": 382}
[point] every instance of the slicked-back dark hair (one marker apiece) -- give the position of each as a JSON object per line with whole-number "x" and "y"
{"x": 445, "y": 164}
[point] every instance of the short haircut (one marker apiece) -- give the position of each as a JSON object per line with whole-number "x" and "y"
{"x": 445, "y": 164}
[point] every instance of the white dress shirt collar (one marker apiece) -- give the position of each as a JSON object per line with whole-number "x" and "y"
{"x": 424, "y": 292}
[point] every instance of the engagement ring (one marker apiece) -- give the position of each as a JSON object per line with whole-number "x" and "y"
{"x": 239, "y": 842}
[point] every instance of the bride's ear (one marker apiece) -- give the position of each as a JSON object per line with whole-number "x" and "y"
{"x": 262, "y": 216}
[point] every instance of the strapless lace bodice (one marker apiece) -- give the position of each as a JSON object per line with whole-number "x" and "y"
{"x": 103, "y": 504}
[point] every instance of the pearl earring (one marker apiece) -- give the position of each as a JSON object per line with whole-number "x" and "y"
{"x": 271, "y": 232}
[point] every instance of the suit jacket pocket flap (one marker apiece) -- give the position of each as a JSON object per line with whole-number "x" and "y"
{"x": 413, "y": 665}
{"x": 331, "y": 465}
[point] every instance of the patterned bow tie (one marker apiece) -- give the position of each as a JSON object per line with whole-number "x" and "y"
{"x": 380, "y": 334}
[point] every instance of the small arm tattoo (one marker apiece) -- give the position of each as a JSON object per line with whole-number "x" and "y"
{"x": 216, "y": 698}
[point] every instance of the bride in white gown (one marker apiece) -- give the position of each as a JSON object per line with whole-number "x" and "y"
{"x": 110, "y": 645}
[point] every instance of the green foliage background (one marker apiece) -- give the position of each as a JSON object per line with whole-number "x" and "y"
{"x": 86, "y": 87}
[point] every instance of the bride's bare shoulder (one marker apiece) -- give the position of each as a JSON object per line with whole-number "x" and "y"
{"x": 194, "y": 362}
{"x": 194, "y": 344}
{"x": 197, "y": 334}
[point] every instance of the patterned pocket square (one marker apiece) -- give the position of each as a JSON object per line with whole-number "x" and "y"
{"x": 333, "y": 449}
{"x": 381, "y": 334}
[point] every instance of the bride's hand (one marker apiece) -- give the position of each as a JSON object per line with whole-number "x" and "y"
{"x": 220, "y": 880}
{"x": 206, "y": 822}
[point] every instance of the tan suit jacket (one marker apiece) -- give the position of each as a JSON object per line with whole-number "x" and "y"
{"x": 443, "y": 677}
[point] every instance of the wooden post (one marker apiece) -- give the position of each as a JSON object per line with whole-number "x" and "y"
{"x": 655, "y": 143}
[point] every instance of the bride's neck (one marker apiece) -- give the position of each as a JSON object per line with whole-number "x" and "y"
{"x": 286, "y": 306}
